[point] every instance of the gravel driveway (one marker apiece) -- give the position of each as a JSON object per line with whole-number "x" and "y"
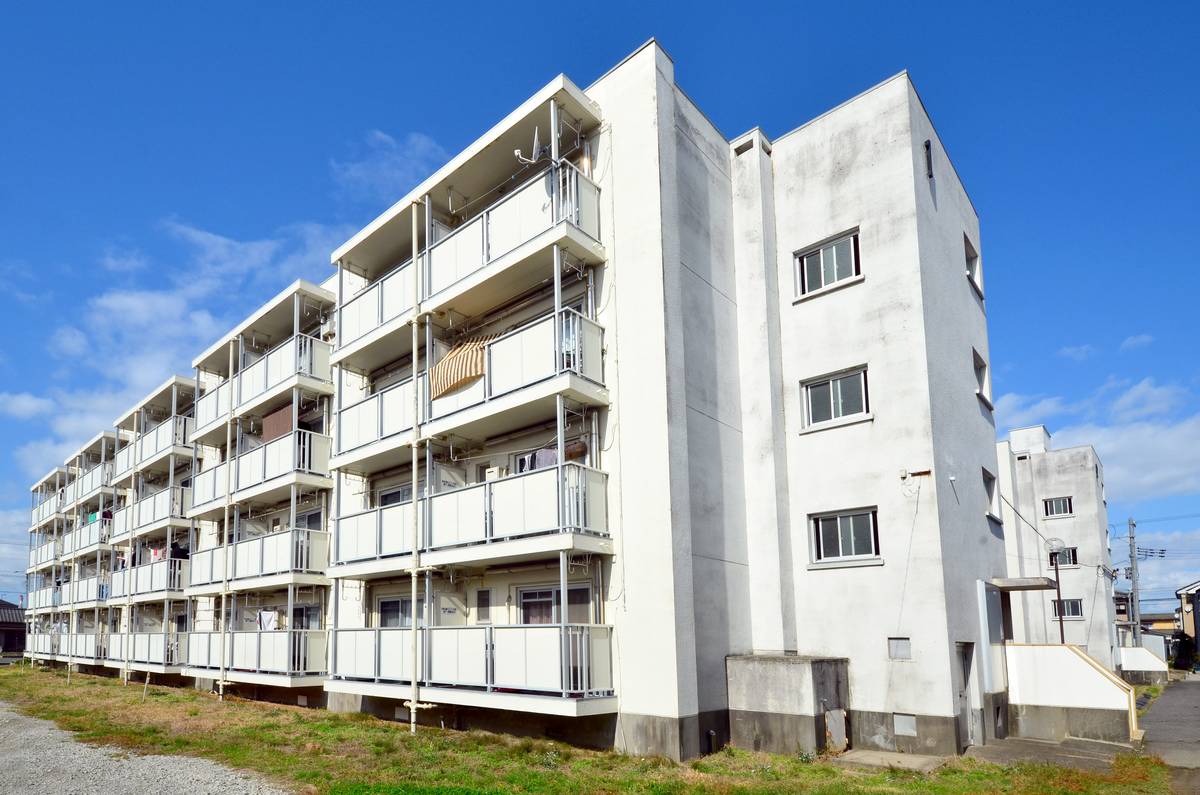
{"x": 37, "y": 757}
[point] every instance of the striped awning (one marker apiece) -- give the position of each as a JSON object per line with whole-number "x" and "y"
{"x": 461, "y": 365}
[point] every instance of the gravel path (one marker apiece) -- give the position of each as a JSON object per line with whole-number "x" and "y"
{"x": 36, "y": 757}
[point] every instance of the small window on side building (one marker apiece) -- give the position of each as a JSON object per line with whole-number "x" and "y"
{"x": 1058, "y": 506}
{"x": 827, "y": 264}
{"x": 835, "y": 397}
{"x": 900, "y": 648}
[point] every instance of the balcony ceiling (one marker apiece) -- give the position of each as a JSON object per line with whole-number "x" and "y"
{"x": 160, "y": 400}
{"x": 479, "y": 176}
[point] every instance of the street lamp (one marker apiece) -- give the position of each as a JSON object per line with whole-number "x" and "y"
{"x": 1054, "y": 546}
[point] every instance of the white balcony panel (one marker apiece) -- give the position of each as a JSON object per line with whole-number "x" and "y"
{"x": 161, "y": 575}
{"x": 395, "y": 653}
{"x": 470, "y": 395}
{"x": 99, "y": 475}
{"x": 458, "y": 255}
{"x": 301, "y": 354}
{"x": 459, "y": 517}
{"x": 458, "y": 656}
{"x": 525, "y": 504}
{"x": 528, "y": 658}
{"x": 380, "y": 532}
{"x": 205, "y": 566}
{"x": 123, "y": 460}
{"x": 41, "y": 643}
{"x": 210, "y": 485}
{"x": 171, "y": 432}
{"x": 521, "y": 358}
{"x": 214, "y": 404}
{"x": 204, "y": 650}
{"x": 44, "y": 553}
{"x": 520, "y": 216}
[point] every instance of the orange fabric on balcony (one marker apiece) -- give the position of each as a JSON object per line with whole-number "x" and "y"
{"x": 461, "y": 365}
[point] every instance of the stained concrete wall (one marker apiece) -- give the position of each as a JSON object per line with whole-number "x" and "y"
{"x": 778, "y": 703}
{"x": 1057, "y": 691}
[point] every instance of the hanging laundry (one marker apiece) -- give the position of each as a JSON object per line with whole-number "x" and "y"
{"x": 546, "y": 457}
{"x": 267, "y": 620}
{"x": 461, "y": 365}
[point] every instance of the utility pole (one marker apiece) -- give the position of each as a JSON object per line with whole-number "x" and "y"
{"x": 1135, "y": 610}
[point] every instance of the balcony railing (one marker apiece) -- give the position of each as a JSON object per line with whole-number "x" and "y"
{"x": 290, "y": 652}
{"x": 86, "y": 645}
{"x": 171, "y": 432}
{"x": 527, "y": 658}
{"x": 159, "y": 576}
{"x": 298, "y": 451}
{"x": 214, "y": 404}
{"x": 300, "y": 355}
{"x": 46, "y": 508}
{"x": 515, "y": 219}
{"x": 520, "y": 358}
{"x": 44, "y": 597}
{"x": 99, "y": 475}
{"x": 95, "y": 532}
{"x": 511, "y": 507}
{"x": 88, "y": 589}
{"x": 171, "y": 503}
{"x": 42, "y": 643}
{"x": 152, "y": 648}
{"x": 279, "y": 553}
{"x": 209, "y": 485}
{"x": 45, "y": 553}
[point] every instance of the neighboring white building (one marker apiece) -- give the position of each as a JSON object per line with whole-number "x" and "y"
{"x": 1049, "y": 496}
{"x": 730, "y": 398}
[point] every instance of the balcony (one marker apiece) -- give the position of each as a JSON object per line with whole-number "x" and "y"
{"x": 82, "y": 645}
{"x": 150, "y": 580}
{"x": 260, "y": 657}
{"x": 519, "y": 359}
{"x": 298, "y": 451}
{"x": 86, "y": 590}
{"x": 99, "y": 476}
{"x": 301, "y": 355}
{"x": 530, "y": 668}
{"x": 46, "y": 510}
{"x": 505, "y": 226}
{"x": 44, "y": 599}
{"x": 168, "y": 434}
{"x": 155, "y": 649}
{"x": 147, "y": 513}
{"x": 87, "y": 538}
{"x": 482, "y": 514}
{"x": 291, "y": 552}
{"x": 46, "y": 553}
{"x": 213, "y": 406}
{"x": 42, "y": 644}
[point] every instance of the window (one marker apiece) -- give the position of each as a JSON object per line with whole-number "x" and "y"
{"x": 1057, "y": 506}
{"x": 483, "y": 606}
{"x": 1071, "y": 608}
{"x": 993, "y": 495}
{"x": 983, "y": 381}
{"x": 827, "y": 264}
{"x": 837, "y": 396}
{"x": 398, "y": 612}
{"x": 900, "y": 648}
{"x": 541, "y": 605}
{"x": 929, "y": 158}
{"x": 974, "y": 274}
{"x": 848, "y": 535}
{"x": 1069, "y": 556}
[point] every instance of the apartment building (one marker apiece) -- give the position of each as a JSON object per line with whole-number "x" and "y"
{"x": 1055, "y": 511}
{"x": 612, "y": 429}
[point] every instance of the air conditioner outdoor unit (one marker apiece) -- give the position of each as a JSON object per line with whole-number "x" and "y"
{"x": 495, "y": 473}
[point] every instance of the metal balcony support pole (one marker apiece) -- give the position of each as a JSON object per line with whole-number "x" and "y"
{"x": 563, "y": 600}
{"x": 560, "y": 442}
{"x": 555, "y": 189}
{"x": 558, "y": 336}
{"x": 230, "y": 462}
{"x": 337, "y": 323}
{"x": 291, "y": 624}
{"x": 414, "y": 700}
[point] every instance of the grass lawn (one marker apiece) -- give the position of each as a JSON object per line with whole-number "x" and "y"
{"x": 311, "y": 750}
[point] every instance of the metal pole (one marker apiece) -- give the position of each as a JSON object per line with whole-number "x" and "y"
{"x": 1062, "y": 634}
{"x": 1135, "y": 607}
{"x": 562, "y": 620}
{"x": 230, "y": 463}
{"x": 416, "y": 424}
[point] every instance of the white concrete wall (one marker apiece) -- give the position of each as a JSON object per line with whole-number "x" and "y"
{"x": 1060, "y": 676}
{"x": 1035, "y": 472}
{"x": 1140, "y": 659}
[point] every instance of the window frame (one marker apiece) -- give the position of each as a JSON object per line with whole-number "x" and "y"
{"x": 899, "y": 648}
{"x": 1054, "y": 607}
{"x": 480, "y": 616}
{"x": 1073, "y": 557}
{"x": 817, "y": 552}
{"x": 991, "y": 491}
{"x": 1070, "y": 505}
{"x": 800, "y": 286}
{"x": 807, "y": 386}
{"x": 973, "y": 266}
{"x": 983, "y": 379}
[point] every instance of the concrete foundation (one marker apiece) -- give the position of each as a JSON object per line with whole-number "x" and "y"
{"x": 1058, "y": 723}
{"x": 1143, "y": 677}
{"x": 777, "y": 702}
{"x": 936, "y": 734}
{"x": 995, "y": 717}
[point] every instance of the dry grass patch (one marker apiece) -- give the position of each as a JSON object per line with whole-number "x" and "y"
{"x": 311, "y": 750}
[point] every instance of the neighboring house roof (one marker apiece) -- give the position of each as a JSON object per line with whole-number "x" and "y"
{"x": 1188, "y": 589}
{"x": 10, "y": 613}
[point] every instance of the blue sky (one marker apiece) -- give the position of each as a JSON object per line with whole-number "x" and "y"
{"x": 163, "y": 170}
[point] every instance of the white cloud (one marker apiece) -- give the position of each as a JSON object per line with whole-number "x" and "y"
{"x": 1019, "y": 411}
{"x": 14, "y": 527}
{"x": 1076, "y": 352}
{"x": 1136, "y": 341}
{"x": 68, "y": 342}
{"x": 1147, "y": 399}
{"x": 1144, "y": 459}
{"x": 23, "y": 405}
{"x": 119, "y": 261}
{"x": 384, "y": 168}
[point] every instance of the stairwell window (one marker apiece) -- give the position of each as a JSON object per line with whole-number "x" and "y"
{"x": 845, "y": 536}
{"x": 992, "y": 492}
{"x": 1057, "y": 506}
{"x": 1069, "y": 556}
{"x": 833, "y": 397}
{"x": 974, "y": 272}
{"x": 1071, "y": 608}
{"x": 827, "y": 264}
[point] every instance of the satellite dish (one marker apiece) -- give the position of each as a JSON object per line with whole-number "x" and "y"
{"x": 535, "y": 151}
